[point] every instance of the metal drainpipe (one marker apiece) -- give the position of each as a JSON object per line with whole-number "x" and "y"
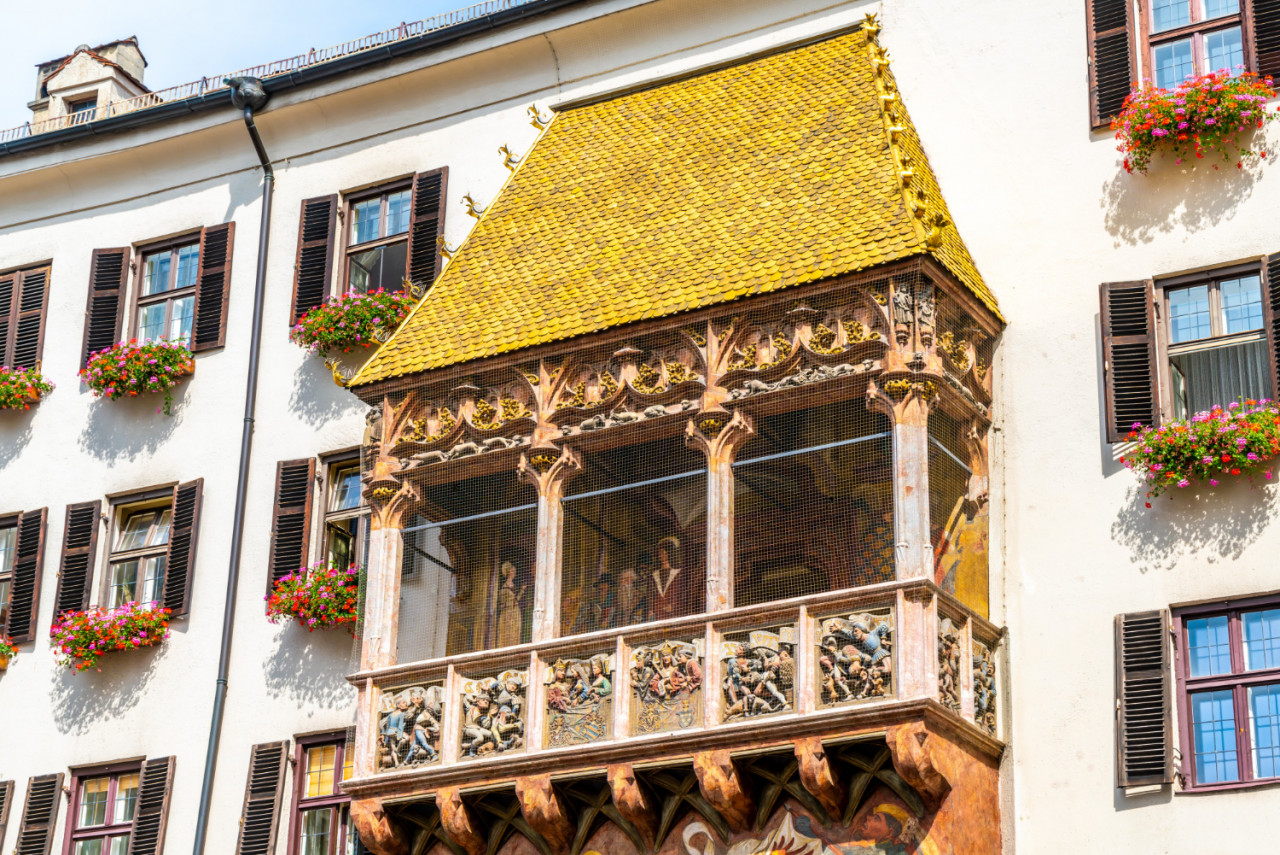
{"x": 247, "y": 94}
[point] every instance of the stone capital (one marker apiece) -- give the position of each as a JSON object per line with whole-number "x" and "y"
{"x": 547, "y": 468}
{"x": 719, "y": 433}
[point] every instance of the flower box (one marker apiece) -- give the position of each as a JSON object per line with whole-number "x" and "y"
{"x": 1240, "y": 439}
{"x": 317, "y": 597}
{"x": 7, "y": 652}
{"x": 21, "y": 388}
{"x": 130, "y": 369}
{"x": 1211, "y": 113}
{"x": 81, "y": 639}
{"x": 352, "y": 322}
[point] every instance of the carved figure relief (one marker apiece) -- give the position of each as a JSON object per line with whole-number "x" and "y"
{"x": 579, "y": 700}
{"x": 984, "y": 687}
{"x": 409, "y": 727}
{"x": 666, "y": 681}
{"x": 854, "y": 658}
{"x": 949, "y": 665}
{"x": 759, "y": 669}
{"x": 493, "y": 714}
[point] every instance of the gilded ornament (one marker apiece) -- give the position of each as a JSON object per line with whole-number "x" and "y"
{"x": 579, "y": 398}
{"x": 901, "y": 387}
{"x": 382, "y": 493}
{"x": 880, "y": 298}
{"x": 512, "y": 409}
{"x": 957, "y": 352}
{"x": 696, "y": 337}
{"x": 543, "y": 460}
{"x": 484, "y": 416}
{"x": 823, "y": 340}
{"x": 419, "y": 429}
{"x": 677, "y": 372}
{"x": 608, "y": 385}
{"x": 648, "y": 381}
{"x": 711, "y": 424}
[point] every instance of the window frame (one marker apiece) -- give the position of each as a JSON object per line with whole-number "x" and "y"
{"x": 158, "y": 499}
{"x": 1238, "y": 681}
{"x": 333, "y": 802}
{"x": 346, "y": 216}
{"x": 1196, "y": 30}
{"x": 332, "y": 464}
{"x": 137, "y": 301}
{"x": 106, "y": 831}
{"x": 1166, "y": 349}
{"x": 8, "y": 521}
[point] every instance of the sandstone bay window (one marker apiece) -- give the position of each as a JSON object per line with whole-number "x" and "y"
{"x": 635, "y": 520}
{"x": 468, "y": 575}
{"x": 320, "y": 823}
{"x": 813, "y": 503}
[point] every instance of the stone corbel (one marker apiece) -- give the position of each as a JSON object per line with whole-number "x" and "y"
{"x": 545, "y": 812}
{"x": 818, "y": 777}
{"x": 459, "y": 823}
{"x": 914, "y": 748}
{"x": 630, "y": 800}
{"x": 728, "y": 791}
{"x": 377, "y": 832}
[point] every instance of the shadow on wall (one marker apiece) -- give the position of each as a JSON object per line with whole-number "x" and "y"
{"x": 1211, "y": 524}
{"x": 15, "y": 433}
{"x": 311, "y": 667}
{"x": 1175, "y": 198}
{"x": 316, "y": 398}
{"x": 127, "y": 429}
{"x": 80, "y": 701}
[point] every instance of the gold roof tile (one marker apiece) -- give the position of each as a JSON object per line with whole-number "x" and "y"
{"x": 765, "y": 175}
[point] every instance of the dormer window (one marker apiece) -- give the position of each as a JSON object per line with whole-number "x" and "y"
{"x": 83, "y": 110}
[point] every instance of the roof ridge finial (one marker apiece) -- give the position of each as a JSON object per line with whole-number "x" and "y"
{"x": 871, "y": 26}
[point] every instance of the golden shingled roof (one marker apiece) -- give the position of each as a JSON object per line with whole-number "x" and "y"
{"x": 749, "y": 179}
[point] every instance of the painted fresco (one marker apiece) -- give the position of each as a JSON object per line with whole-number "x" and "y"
{"x": 666, "y": 681}
{"x": 579, "y": 701}
{"x": 960, "y": 558}
{"x": 493, "y": 714}
{"x": 854, "y": 655}
{"x": 949, "y": 665}
{"x": 984, "y": 687}
{"x": 759, "y": 671}
{"x": 409, "y": 727}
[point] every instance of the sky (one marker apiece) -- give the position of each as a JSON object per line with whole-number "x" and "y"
{"x": 185, "y": 41}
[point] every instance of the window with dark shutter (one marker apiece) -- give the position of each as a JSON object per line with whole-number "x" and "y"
{"x": 24, "y": 598}
{"x": 1144, "y": 741}
{"x": 426, "y": 225}
{"x": 1266, "y": 37}
{"x": 291, "y": 520}
{"x": 151, "y": 816}
{"x": 39, "y": 815}
{"x": 1129, "y": 356}
{"x": 1271, "y": 317}
{"x": 213, "y": 287}
{"x": 182, "y": 546}
{"x": 79, "y": 547}
{"x": 258, "y": 821}
{"x": 1111, "y": 65}
{"x": 6, "y": 802}
{"x": 108, "y": 273}
{"x": 313, "y": 268}
{"x": 24, "y": 301}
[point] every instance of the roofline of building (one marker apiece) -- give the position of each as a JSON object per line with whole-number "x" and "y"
{"x": 291, "y": 80}
{"x": 133, "y": 40}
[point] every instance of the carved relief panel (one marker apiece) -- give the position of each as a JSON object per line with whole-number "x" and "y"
{"x": 985, "y": 686}
{"x": 579, "y": 700}
{"x": 409, "y": 722}
{"x": 494, "y": 712}
{"x": 666, "y": 684}
{"x": 949, "y": 638}
{"x": 759, "y": 672}
{"x": 854, "y": 658}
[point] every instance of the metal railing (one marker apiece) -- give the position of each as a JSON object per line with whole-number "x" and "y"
{"x": 313, "y": 57}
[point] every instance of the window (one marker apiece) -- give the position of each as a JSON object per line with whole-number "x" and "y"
{"x": 344, "y": 514}
{"x": 321, "y": 821}
{"x": 167, "y": 292}
{"x": 378, "y": 238}
{"x": 1229, "y": 693}
{"x": 8, "y": 555}
{"x": 102, "y": 812}
{"x": 82, "y": 111}
{"x": 1189, "y": 37}
{"x": 139, "y": 554}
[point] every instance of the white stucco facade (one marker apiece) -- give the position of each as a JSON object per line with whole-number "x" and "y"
{"x": 999, "y": 95}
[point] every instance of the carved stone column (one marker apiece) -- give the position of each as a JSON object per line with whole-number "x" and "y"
{"x": 719, "y": 434}
{"x": 907, "y": 401}
{"x": 548, "y": 469}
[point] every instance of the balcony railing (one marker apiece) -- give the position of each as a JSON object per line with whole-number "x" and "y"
{"x": 808, "y": 665}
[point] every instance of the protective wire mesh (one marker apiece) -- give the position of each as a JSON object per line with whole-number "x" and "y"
{"x": 813, "y": 503}
{"x": 468, "y": 576}
{"x": 759, "y": 669}
{"x": 634, "y": 536}
{"x": 958, "y": 521}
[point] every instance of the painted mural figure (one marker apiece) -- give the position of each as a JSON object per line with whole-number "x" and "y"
{"x": 579, "y": 700}
{"x": 409, "y": 727}
{"x": 493, "y": 714}
{"x": 854, "y": 661}
{"x": 666, "y": 681}
{"x": 510, "y": 610}
{"x": 599, "y": 613}
{"x": 630, "y": 605}
{"x": 670, "y": 592}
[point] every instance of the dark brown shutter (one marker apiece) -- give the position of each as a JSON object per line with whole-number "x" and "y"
{"x": 39, "y": 815}
{"x": 262, "y": 799}
{"x": 151, "y": 817}
{"x": 6, "y": 802}
{"x": 213, "y": 287}
{"x": 313, "y": 268}
{"x": 33, "y": 303}
{"x": 24, "y": 596}
{"x": 1111, "y": 65}
{"x": 8, "y": 289}
{"x": 1144, "y": 743}
{"x": 180, "y": 566}
{"x": 1271, "y": 315}
{"x": 1129, "y": 356}
{"x": 1265, "y": 19}
{"x": 108, "y": 273}
{"x": 291, "y": 520}
{"x": 79, "y": 548}
{"x": 425, "y": 225}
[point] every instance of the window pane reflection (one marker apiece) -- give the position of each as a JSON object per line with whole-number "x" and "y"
{"x": 1168, "y": 14}
{"x": 1173, "y": 63}
{"x": 1264, "y": 726}
{"x": 93, "y": 802}
{"x": 1261, "y": 639}
{"x": 1218, "y": 8}
{"x": 1209, "y": 646}
{"x": 316, "y": 827}
{"x": 1189, "y": 314}
{"x": 1242, "y": 304}
{"x": 1213, "y": 726}
{"x": 398, "y": 213}
{"x": 1224, "y": 50}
